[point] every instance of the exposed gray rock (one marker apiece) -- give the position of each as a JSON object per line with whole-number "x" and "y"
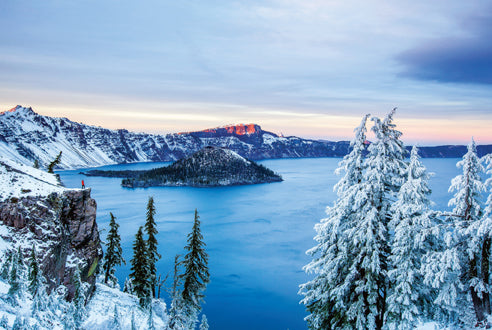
{"x": 63, "y": 227}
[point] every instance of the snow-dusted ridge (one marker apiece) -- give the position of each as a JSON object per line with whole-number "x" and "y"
{"x": 27, "y": 136}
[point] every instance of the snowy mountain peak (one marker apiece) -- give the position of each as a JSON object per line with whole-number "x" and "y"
{"x": 18, "y": 110}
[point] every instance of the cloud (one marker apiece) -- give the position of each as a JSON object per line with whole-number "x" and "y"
{"x": 466, "y": 59}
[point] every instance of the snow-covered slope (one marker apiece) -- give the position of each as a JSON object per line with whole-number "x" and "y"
{"x": 27, "y": 136}
{"x": 19, "y": 180}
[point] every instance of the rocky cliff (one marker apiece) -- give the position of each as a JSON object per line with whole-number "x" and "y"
{"x": 60, "y": 223}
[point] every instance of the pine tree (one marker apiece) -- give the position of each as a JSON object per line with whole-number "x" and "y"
{"x": 114, "y": 253}
{"x": 128, "y": 286}
{"x": 15, "y": 276}
{"x": 324, "y": 296}
{"x": 33, "y": 272}
{"x": 176, "y": 318}
{"x": 78, "y": 299}
{"x": 204, "y": 323}
{"x": 153, "y": 256}
{"x": 411, "y": 223}
{"x": 36, "y": 163}
{"x": 140, "y": 270}
{"x": 55, "y": 162}
{"x": 196, "y": 275}
{"x": 460, "y": 267}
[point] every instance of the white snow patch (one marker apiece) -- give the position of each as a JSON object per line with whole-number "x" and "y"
{"x": 19, "y": 180}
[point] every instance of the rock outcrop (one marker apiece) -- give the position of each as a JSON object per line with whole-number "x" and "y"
{"x": 35, "y": 210}
{"x": 64, "y": 230}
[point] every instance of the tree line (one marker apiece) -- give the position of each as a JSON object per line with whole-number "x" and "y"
{"x": 188, "y": 286}
{"x": 384, "y": 258}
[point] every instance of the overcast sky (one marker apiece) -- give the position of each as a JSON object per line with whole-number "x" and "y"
{"x": 305, "y": 68}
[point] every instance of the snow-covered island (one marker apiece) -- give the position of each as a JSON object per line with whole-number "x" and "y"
{"x": 208, "y": 167}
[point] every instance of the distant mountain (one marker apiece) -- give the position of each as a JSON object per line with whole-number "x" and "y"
{"x": 208, "y": 167}
{"x": 27, "y": 136}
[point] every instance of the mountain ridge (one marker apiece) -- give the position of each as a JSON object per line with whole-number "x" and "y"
{"x": 27, "y": 136}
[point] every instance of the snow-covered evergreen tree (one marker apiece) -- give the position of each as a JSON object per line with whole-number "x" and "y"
{"x": 78, "y": 298}
{"x": 196, "y": 275}
{"x": 367, "y": 304}
{"x": 325, "y": 295}
{"x": 114, "y": 254}
{"x": 204, "y": 323}
{"x": 351, "y": 286}
{"x": 33, "y": 272}
{"x": 16, "y": 276}
{"x": 176, "y": 318}
{"x": 411, "y": 223}
{"x": 152, "y": 254}
{"x": 128, "y": 286}
{"x": 461, "y": 271}
{"x": 140, "y": 270}
{"x": 467, "y": 209}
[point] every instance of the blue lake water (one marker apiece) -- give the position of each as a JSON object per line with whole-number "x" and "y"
{"x": 256, "y": 235}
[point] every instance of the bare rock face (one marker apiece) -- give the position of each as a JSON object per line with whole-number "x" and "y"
{"x": 64, "y": 230}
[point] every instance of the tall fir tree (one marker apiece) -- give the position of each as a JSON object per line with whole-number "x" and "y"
{"x": 409, "y": 298}
{"x": 151, "y": 230}
{"x": 140, "y": 270}
{"x": 16, "y": 276}
{"x": 324, "y": 296}
{"x": 33, "y": 272}
{"x": 114, "y": 253}
{"x": 370, "y": 238}
{"x": 196, "y": 275}
{"x": 78, "y": 300}
{"x": 460, "y": 268}
{"x": 176, "y": 318}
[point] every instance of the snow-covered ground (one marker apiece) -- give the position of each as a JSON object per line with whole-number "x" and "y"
{"x": 19, "y": 180}
{"x": 100, "y": 310}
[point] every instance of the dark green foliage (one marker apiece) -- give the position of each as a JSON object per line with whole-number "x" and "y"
{"x": 114, "y": 254}
{"x": 33, "y": 272}
{"x": 55, "y": 162}
{"x": 140, "y": 269}
{"x": 207, "y": 167}
{"x": 36, "y": 163}
{"x": 16, "y": 273}
{"x": 196, "y": 275}
{"x": 78, "y": 299}
{"x": 152, "y": 255}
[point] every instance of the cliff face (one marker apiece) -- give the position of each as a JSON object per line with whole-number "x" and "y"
{"x": 63, "y": 228}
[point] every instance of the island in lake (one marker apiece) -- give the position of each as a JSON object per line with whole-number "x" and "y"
{"x": 208, "y": 167}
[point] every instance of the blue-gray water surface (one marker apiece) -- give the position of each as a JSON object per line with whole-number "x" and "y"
{"x": 256, "y": 235}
